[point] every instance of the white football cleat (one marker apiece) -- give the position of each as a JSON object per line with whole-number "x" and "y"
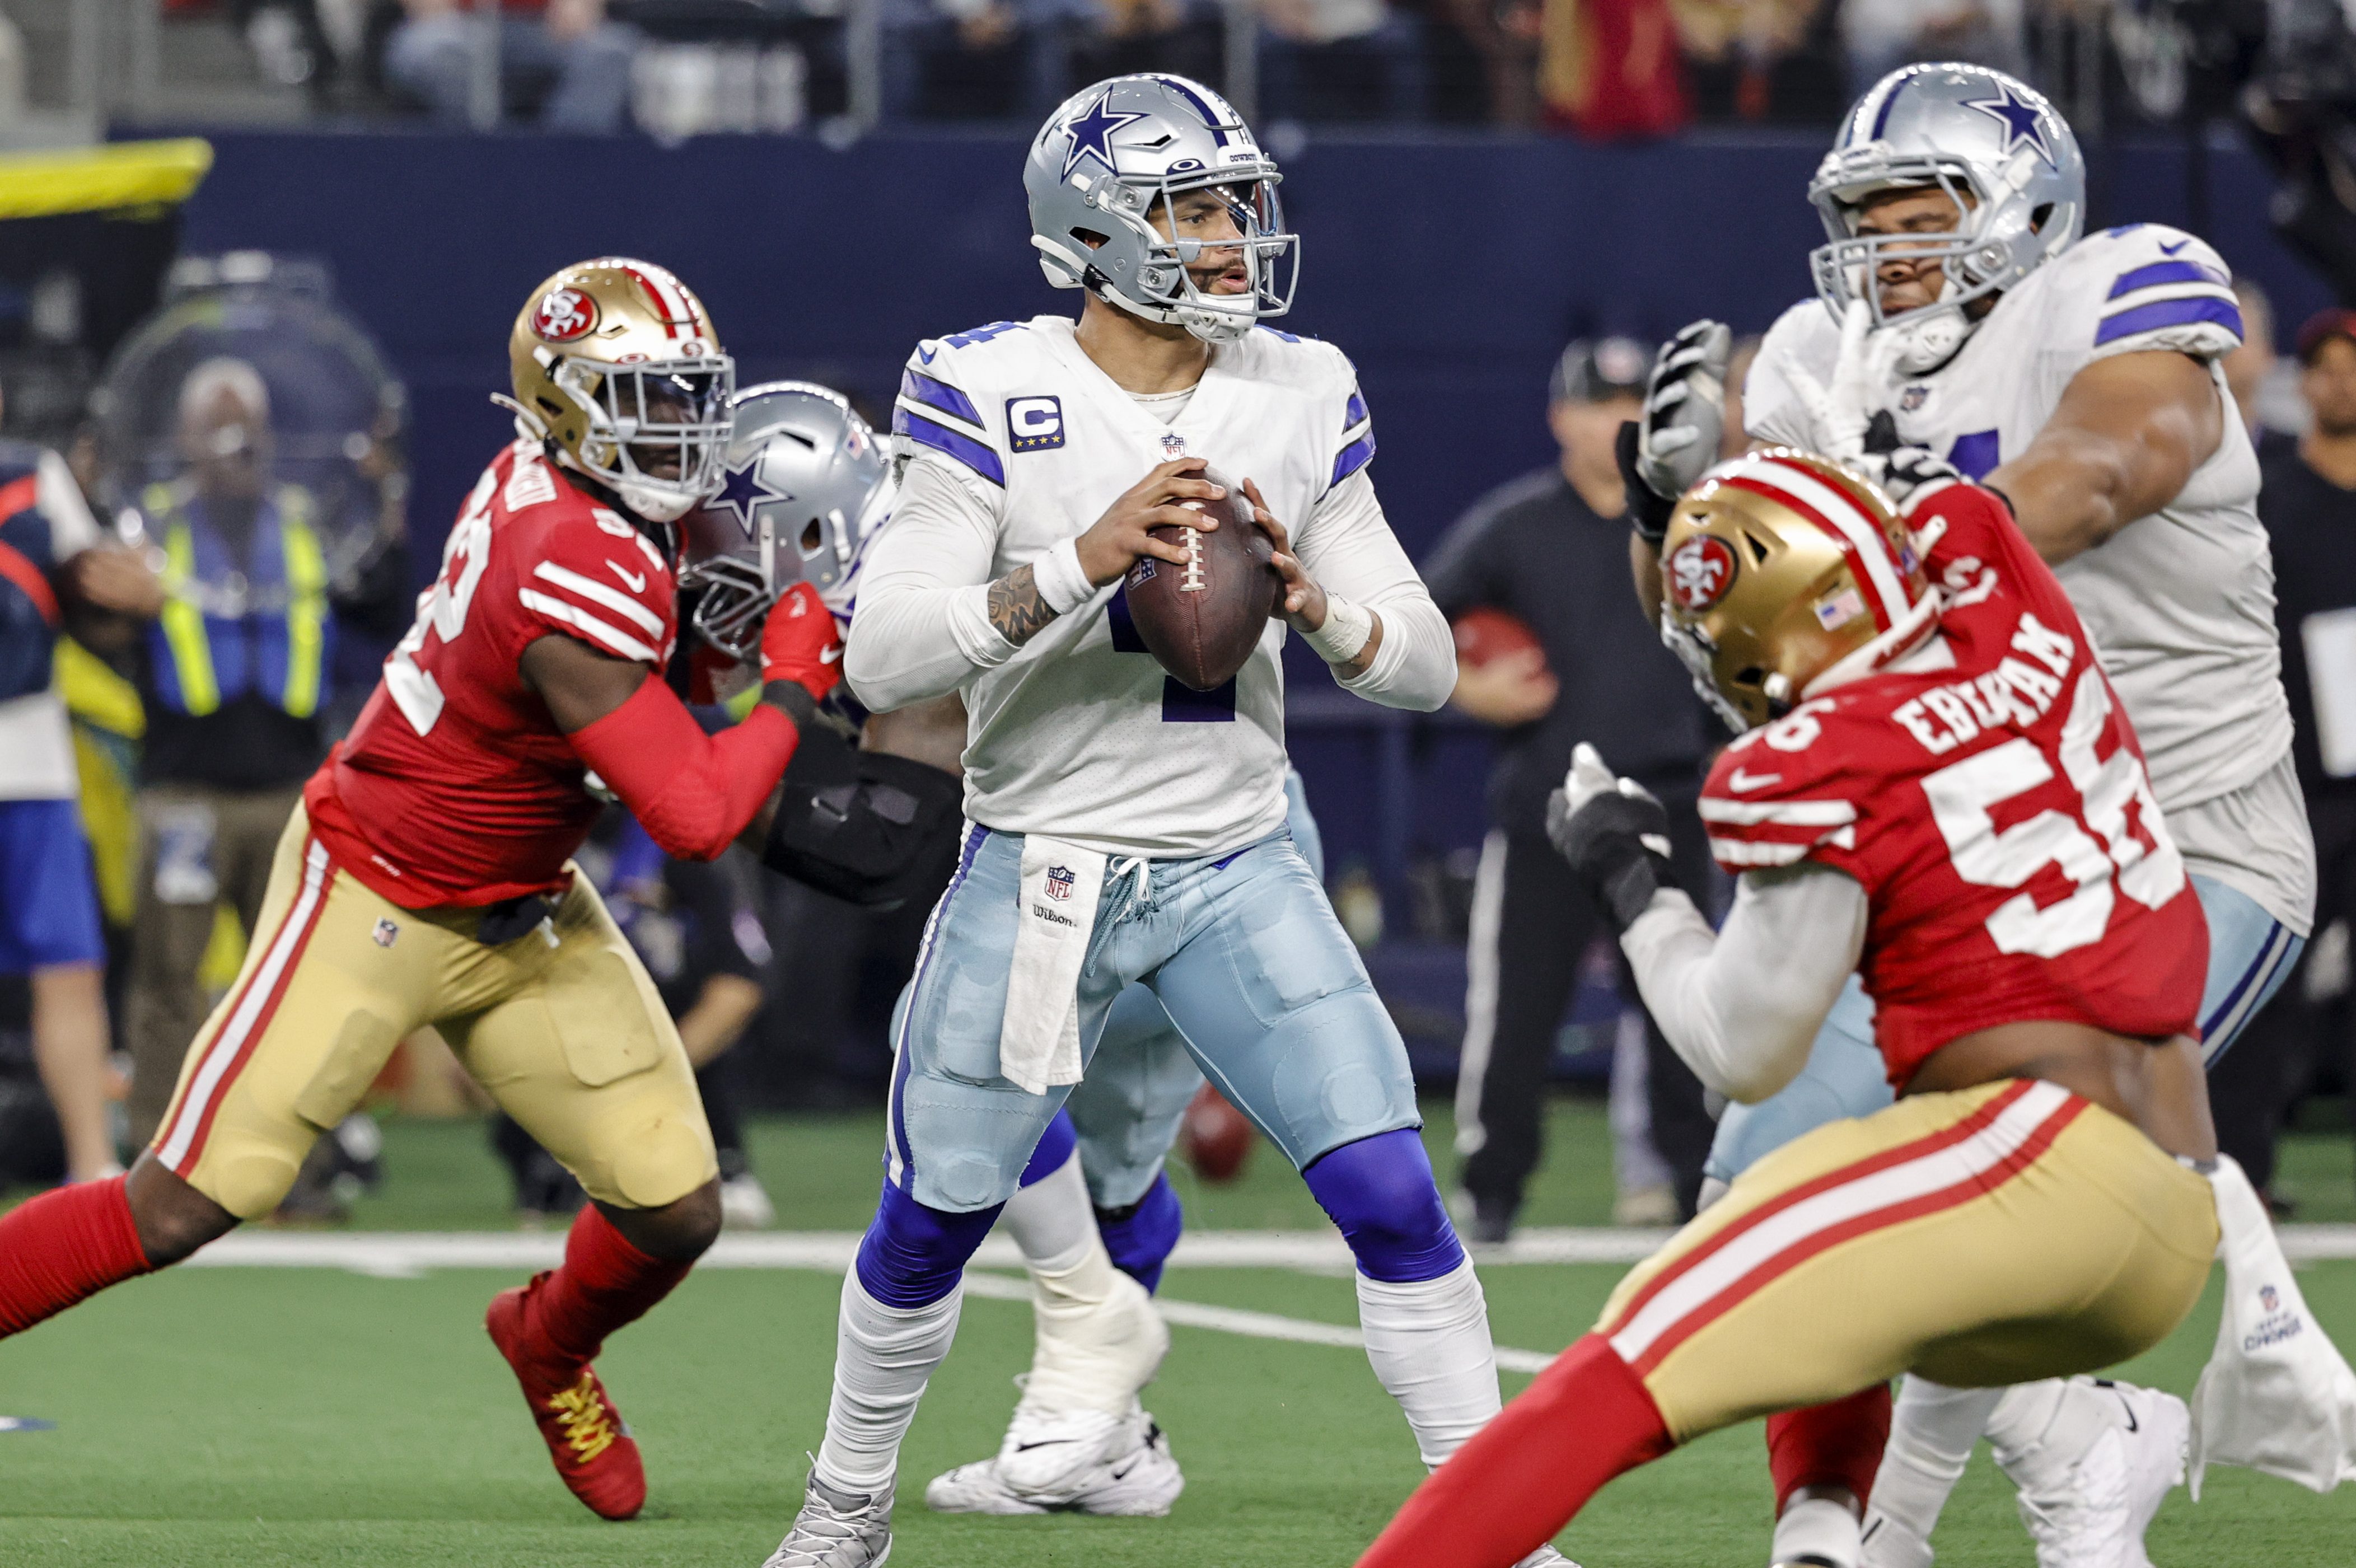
{"x": 1071, "y": 1462}
{"x": 1887, "y": 1543}
{"x": 744, "y": 1204}
{"x": 1546, "y": 1557}
{"x": 837, "y": 1530}
{"x": 2096, "y": 1517}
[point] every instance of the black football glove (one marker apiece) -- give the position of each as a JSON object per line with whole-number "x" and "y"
{"x": 1614, "y": 833}
{"x": 1663, "y": 454}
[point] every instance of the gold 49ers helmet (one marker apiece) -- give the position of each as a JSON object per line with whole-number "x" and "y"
{"x": 615, "y": 365}
{"x": 1783, "y": 573}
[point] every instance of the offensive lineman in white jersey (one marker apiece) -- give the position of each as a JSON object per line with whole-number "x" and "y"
{"x": 1963, "y": 318}
{"x": 1124, "y": 827}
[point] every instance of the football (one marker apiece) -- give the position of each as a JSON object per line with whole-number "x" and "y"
{"x": 1216, "y": 1137}
{"x": 1201, "y": 620}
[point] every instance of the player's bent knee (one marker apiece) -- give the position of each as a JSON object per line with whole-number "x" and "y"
{"x": 913, "y": 1255}
{"x": 679, "y": 1231}
{"x": 173, "y": 1218}
{"x": 1380, "y": 1192}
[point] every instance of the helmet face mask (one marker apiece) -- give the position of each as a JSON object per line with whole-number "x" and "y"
{"x": 615, "y": 365}
{"x": 1995, "y": 147}
{"x": 804, "y": 482}
{"x": 1783, "y": 574}
{"x": 1112, "y": 165}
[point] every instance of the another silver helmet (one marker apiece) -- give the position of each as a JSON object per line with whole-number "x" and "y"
{"x": 1995, "y": 145}
{"x": 1114, "y": 154}
{"x": 806, "y": 481}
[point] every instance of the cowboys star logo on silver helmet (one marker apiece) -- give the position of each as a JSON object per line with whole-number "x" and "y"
{"x": 805, "y": 484}
{"x": 1107, "y": 164}
{"x": 1996, "y": 146}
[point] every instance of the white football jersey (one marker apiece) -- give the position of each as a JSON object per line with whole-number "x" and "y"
{"x": 1021, "y": 441}
{"x": 2181, "y": 602}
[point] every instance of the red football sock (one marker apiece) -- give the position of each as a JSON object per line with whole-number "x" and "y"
{"x": 1835, "y": 1445}
{"x": 62, "y": 1246}
{"x": 1520, "y": 1479}
{"x": 605, "y": 1283}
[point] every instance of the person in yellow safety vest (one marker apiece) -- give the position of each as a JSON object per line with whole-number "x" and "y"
{"x": 236, "y": 679}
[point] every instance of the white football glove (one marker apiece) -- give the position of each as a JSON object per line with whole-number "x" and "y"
{"x": 1678, "y": 438}
{"x": 1843, "y": 411}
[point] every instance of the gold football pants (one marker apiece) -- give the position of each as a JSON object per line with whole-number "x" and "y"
{"x": 1987, "y": 1237}
{"x": 562, "y": 1025}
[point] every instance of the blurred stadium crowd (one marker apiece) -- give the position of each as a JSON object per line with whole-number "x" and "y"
{"x": 1607, "y": 69}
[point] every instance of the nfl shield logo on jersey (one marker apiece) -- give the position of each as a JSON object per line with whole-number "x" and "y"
{"x": 1173, "y": 445}
{"x": 1059, "y": 881}
{"x": 386, "y": 932}
{"x": 1913, "y": 398}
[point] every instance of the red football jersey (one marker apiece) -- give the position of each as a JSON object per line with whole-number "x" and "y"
{"x": 1996, "y": 813}
{"x": 455, "y": 786}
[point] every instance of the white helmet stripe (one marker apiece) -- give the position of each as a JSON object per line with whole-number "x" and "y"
{"x": 667, "y": 299}
{"x": 1868, "y": 540}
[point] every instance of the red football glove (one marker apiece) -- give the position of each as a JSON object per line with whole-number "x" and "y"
{"x": 800, "y": 643}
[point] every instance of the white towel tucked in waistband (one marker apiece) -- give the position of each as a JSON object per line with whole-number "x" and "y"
{"x": 1039, "y": 1038}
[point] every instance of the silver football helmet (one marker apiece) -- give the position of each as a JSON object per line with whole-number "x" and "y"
{"x": 1996, "y": 146}
{"x": 1112, "y": 158}
{"x": 806, "y": 481}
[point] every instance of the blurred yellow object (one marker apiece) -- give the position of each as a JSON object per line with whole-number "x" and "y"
{"x": 107, "y": 724}
{"x": 224, "y": 953}
{"x": 103, "y": 179}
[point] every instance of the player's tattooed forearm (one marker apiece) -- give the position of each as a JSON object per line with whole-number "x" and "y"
{"x": 1016, "y": 607}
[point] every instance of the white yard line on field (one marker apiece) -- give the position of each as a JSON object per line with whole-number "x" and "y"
{"x": 398, "y": 1254}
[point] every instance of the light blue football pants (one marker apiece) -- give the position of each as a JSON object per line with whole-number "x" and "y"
{"x": 1127, "y": 1111}
{"x": 1262, "y": 987}
{"x": 2250, "y": 953}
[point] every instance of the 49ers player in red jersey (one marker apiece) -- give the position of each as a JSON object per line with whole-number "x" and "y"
{"x": 427, "y": 880}
{"x": 1938, "y": 789}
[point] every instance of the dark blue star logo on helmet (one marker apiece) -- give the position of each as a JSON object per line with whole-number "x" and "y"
{"x": 744, "y": 493}
{"x": 1092, "y": 133}
{"x": 2019, "y": 117}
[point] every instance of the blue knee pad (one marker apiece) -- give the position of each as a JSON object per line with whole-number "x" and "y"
{"x": 913, "y": 1255}
{"x": 1380, "y": 1190}
{"x": 1056, "y": 1146}
{"x": 1142, "y": 1236}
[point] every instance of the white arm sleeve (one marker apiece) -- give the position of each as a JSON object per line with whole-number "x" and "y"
{"x": 1349, "y": 549}
{"x": 922, "y": 624}
{"x": 1743, "y": 1005}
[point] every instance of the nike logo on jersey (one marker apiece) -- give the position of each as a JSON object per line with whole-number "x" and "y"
{"x": 2172, "y": 250}
{"x": 1043, "y": 1443}
{"x": 827, "y": 656}
{"x": 1739, "y": 780}
{"x": 636, "y": 583}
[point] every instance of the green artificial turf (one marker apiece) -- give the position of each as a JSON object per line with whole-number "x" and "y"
{"x": 251, "y": 1416}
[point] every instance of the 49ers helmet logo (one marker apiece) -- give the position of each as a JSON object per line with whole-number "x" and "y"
{"x": 1699, "y": 572}
{"x": 564, "y": 315}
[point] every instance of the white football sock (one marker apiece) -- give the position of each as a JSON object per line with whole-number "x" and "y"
{"x": 1429, "y": 1345}
{"x": 883, "y": 1358}
{"x": 2041, "y": 1430}
{"x": 1051, "y": 1219}
{"x": 1818, "y": 1528}
{"x": 1933, "y": 1430}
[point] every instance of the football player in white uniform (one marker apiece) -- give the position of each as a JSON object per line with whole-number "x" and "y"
{"x": 1962, "y": 318}
{"x": 1107, "y": 847}
{"x": 808, "y": 489}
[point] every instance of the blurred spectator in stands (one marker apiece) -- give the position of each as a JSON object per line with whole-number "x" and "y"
{"x": 561, "y": 63}
{"x": 235, "y": 675}
{"x": 1745, "y": 38}
{"x": 1341, "y": 59}
{"x": 1882, "y": 34}
{"x": 966, "y": 59}
{"x": 1609, "y": 69}
{"x": 2307, "y": 501}
{"x": 694, "y": 927}
{"x": 1550, "y": 551}
{"x": 51, "y": 555}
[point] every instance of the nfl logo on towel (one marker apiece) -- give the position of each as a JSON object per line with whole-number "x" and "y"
{"x": 1059, "y": 881}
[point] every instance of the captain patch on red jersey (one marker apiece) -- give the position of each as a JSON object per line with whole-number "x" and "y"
{"x": 455, "y": 786}
{"x": 1992, "y": 801}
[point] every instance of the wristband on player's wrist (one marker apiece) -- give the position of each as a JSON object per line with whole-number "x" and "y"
{"x": 792, "y": 697}
{"x": 1343, "y": 635}
{"x": 1061, "y": 581}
